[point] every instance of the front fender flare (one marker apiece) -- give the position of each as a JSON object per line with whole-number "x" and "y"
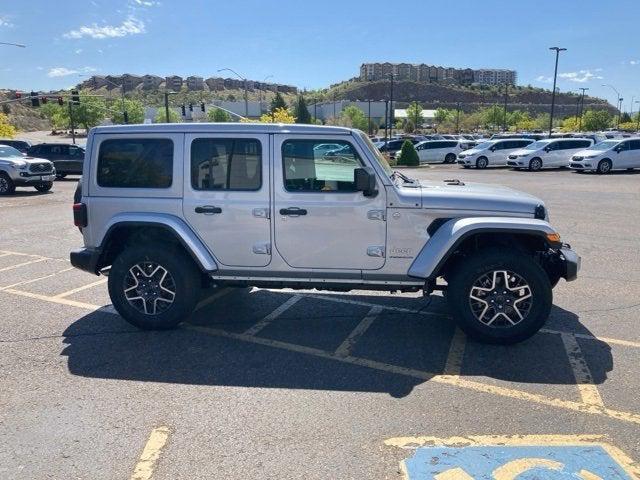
{"x": 187, "y": 237}
{"x": 451, "y": 234}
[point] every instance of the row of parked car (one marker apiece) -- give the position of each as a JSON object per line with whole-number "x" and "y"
{"x": 591, "y": 152}
{"x": 26, "y": 165}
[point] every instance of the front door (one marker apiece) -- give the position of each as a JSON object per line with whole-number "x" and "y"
{"x": 320, "y": 220}
{"x": 226, "y": 196}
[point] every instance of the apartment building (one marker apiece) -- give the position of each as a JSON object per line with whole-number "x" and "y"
{"x": 431, "y": 73}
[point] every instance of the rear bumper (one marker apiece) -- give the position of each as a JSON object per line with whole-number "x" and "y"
{"x": 85, "y": 259}
{"x": 570, "y": 261}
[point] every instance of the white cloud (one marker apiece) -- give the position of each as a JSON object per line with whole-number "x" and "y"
{"x": 146, "y": 3}
{"x": 5, "y": 21}
{"x": 634, "y": 62}
{"x": 543, "y": 79}
{"x": 131, "y": 26}
{"x": 64, "y": 71}
{"x": 77, "y": 51}
{"x": 580, "y": 76}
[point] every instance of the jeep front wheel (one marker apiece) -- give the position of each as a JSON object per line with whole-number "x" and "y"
{"x": 154, "y": 288}
{"x": 499, "y": 297}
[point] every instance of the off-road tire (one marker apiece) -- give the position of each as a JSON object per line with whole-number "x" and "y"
{"x": 604, "y": 166}
{"x": 184, "y": 274}
{"x": 7, "y": 187}
{"x": 482, "y": 162}
{"x": 467, "y": 273}
{"x": 44, "y": 187}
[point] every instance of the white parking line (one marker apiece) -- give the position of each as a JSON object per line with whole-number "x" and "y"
{"x": 23, "y": 264}
{"x": 273, "y": 315}
{"x": 584, "y": 380}
{"x": 345, "y": 347}
{"x": 213, "y": 298}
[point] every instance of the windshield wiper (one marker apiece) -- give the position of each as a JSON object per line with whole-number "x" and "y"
{"x": 396, "y": 173}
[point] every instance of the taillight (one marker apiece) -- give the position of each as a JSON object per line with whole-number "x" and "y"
{"x": 80, "y": 215}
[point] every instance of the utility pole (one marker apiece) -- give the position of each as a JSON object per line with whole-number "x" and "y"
{"x": 246, "y": 100}
{"x": 71, "y": 126}
{"x": 391, "y": 112}
{"x": 125, "y": 115}
{"x": 369, "y": 117}
{"x": 166, "y": 105}
{"x": 581, "y": 108}
{"x": 504, "y": 117}
{"x": 458, "y": 117}
{"x": 386, "y": 120}
{"x": 553, "y": 94}
{"x": 619, "y": 101}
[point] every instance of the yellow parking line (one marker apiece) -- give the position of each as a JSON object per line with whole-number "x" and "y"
{"x": 453, "y": 365}
{"x": 46, "y": 298}
{"x": 615, "y": 341}
{"x": 273, "y": 315}
{"x": 584, "y": 380}
{"x": 80, "y": 289}
{"x": 23, "y": 264}
{"x": 345, "y": 347}
{"x": 213, "y": 298}
{"x": 151, "y": 453}
{"x": 428, "y": 376}
{"x": 33, "y": 280}
{"x": 5, "y": 254}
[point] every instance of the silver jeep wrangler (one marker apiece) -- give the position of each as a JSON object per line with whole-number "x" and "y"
{"x": 164, "y": 209}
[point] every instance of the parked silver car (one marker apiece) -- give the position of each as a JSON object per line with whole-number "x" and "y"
{"x": 166, "y": 208}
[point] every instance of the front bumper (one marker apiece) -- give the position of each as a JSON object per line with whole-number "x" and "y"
{"x": 570, "y": 263}
{"x": 27, "y": 178}
{"x": 85, "y": 259}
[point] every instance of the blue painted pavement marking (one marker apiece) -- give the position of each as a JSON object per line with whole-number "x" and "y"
{"x": 571, "y": 462}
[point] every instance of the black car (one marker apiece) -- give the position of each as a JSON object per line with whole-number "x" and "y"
{"x": 21, "y": 145}
{"x": 68, "y": 159}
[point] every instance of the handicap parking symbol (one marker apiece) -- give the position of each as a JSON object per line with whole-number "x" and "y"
{"x": 519, "y": 461}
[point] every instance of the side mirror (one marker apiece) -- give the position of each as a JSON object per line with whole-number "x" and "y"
{"x": 493, "y": 149}
{"x": 547, "y": 149}
{"x": 365, "y": 181}
{"x": 618, "y": 149}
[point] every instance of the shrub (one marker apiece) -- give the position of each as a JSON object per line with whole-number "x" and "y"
{"x": 408, "y": 155}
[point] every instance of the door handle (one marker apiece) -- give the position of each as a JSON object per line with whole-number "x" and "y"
{"x": 208, "y": 209}
{"x": 293, "y": 211}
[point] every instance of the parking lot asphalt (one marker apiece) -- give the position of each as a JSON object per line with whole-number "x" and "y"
{"x": 305, "y": 384}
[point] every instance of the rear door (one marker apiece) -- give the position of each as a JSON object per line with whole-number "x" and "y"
{"x": 226, "y": 196}
{"x": 634, "y": 154}
{"x": 321, "y": 222}
{"x": 573, "y": 147}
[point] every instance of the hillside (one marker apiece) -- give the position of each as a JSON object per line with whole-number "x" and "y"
{"x": 22, "y": 115}
{"x": 533, "y": 100}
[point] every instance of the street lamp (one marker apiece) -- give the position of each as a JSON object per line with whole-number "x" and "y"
{"x": 555, "y": 77}
{"x": 618, "y": 104}
{"x": 391, "y": 110}
{"x": 13, "y": 44}
{"x": 125, "y": 115}
{"x": 264, "y": 81}
{"x": 246, "y": 99}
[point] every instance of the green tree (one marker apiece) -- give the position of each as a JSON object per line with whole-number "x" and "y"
{"x": 57, "y": 115}
{"x": 90, "y": 112}
{"x": 442, "y": 115}
{"x": 134, "y": 108}
{"x": 414, "y": 115}
{"x": 6, "y": 129}
{"x": 408, "y": 155}
{"x": 594, "y": 120}
{"x": 277, "y": 102}
{"x": 218, "y": 115}
{"x": 301, "y": 112}
{"x": 161, "y": 116}
{"x": 353, "y": 117}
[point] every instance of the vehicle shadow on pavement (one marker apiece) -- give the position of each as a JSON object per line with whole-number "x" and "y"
{"x": 301, "y": 348}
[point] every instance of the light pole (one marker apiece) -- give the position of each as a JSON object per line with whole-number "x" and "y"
{"x": 391, "y": 111}
{"x": 246, "y": 99}
{"x": 13, "y": 44}
{"x": 506, "y": 96}
{"x": 264, "y": 82}
{"x": 166, "y": 104}
{"x": 638, "y": 124}
{"x": 618, "y": 104}
{"x": 555, "y": 77}
{"x": 125, "y": 115}
{"x": 581, "y": 108}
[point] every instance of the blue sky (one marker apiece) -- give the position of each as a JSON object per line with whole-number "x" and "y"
{"x": 314, "y": 44}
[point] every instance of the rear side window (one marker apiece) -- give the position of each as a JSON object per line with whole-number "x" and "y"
{"x": 135, "y": 163}
{"x": 226, "y": 164}
{"x": 635, "y": 144}
{"x": 582, "y": 144}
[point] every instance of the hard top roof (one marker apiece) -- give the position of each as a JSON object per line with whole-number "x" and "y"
{"x": 223, "y": 128}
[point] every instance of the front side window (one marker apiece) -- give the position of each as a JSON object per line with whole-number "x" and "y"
{"x": 306, "y": 170}
{"x": 135, "y": 163}
{"x": 226, "y": 164}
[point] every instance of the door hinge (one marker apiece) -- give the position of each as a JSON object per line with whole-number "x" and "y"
{"x": 377, "y": 215}
{"x": 375, "y": 251}
{"x": 261, "y": 213}
{"x": 262, "y": 248}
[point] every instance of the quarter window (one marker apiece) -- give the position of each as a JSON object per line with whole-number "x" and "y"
{"x": 135, "y": 163}
{"x": 306, "y": 170}
{"x": 226, "y": 164}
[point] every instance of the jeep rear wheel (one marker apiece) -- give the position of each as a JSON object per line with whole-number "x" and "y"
{"x": 6, "y": 184}
{"x": 154, "y": 288}
{"x": 499, "y": 297}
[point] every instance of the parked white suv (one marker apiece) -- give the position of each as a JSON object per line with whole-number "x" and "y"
{"x": 164, "y": 209}
{"x": 549, "y": 153}
{"x": 609, "y": 155}
{"x": 492, "y": 153}
{"x": 438, "y": 151}
{"x": 18, "y": 170}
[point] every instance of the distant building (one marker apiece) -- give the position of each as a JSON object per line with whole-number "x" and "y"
{"x": 195, "y": 83}
{"x": 430, "y": 74}
{"x": 215, "y": 83}
{"x": 151, "y": 82}
{"x": 174, "y": 83}
{"x": 130, "y": 82}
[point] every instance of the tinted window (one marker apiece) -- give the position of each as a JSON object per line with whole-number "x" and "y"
{"x": 228, "y": 163}
{"x": 450, "y": 144}
{"x": 635, "y": 144}
{"x": 307, "y": 171}
{"x": 566, "y": 145}
{"x": 59, "y": 149}
{"x": 521, "y": 143}
{"x": 76, "y": 151}
{"x": 432, "y": 145}
{"x": 623, "y": 146}
{"x": 136, "y": 163}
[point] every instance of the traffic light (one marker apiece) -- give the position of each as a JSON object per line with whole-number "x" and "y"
{"x": 202, "y": 107}
{"x": 75, "y": 96}
{"x": 184, "y": 110}
{"x": 44, "y": 100}
{"x": 191, "y": 107}
{"x": 35, "y": 101}
{"x": 18, "y": 94}
{"x": 60, "y": 101}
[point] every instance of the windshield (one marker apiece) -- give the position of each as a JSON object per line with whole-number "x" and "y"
{"x": 606, "y": 145}
{"x": 9, "y": 152}
{"x": 537, "y": 145}
{"x": 376, "y": 153}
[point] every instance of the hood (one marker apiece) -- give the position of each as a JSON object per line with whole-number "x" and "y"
{"x": 27, "y": 160}
{"x": 589, "y": 153}
{"x": 477, "y": 197}
{"x": 472, "y": 151}
{"x": 524, "y": 151}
